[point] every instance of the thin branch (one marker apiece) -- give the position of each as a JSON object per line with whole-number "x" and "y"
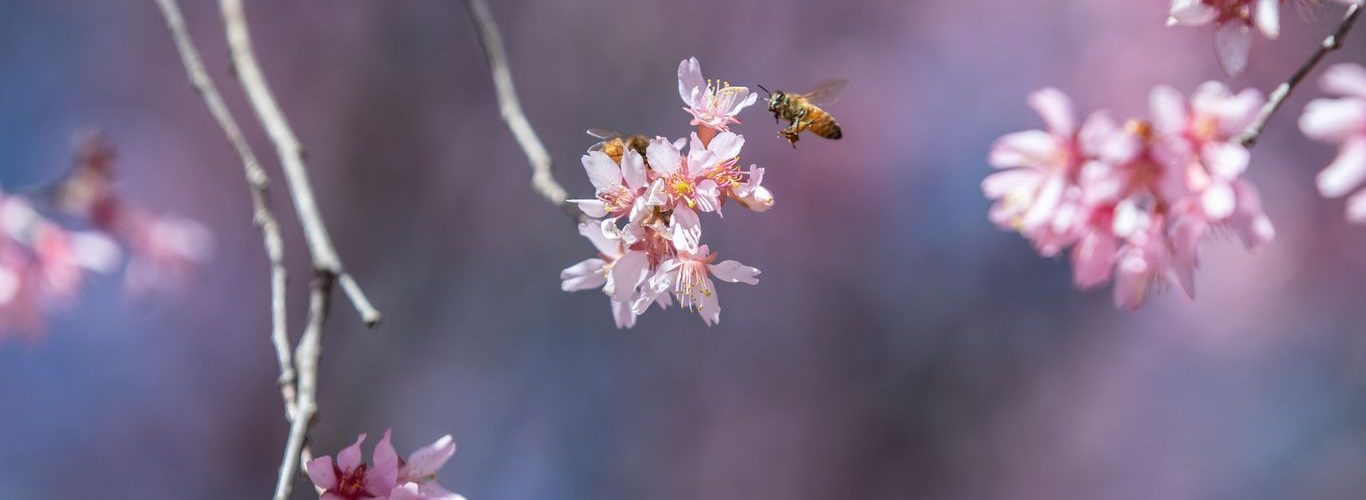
{"x": 307, "y": 356}
{"x": 1333, "y": 42}
{"x": 541, "y": 179}
{"x": 291, "y": 153}
{"x": 259, "y": 185}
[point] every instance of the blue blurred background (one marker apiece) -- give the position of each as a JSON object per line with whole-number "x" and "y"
{"x": 898, "y": 345}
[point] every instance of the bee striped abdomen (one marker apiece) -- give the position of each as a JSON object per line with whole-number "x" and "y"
{"x": 823, "y": 124}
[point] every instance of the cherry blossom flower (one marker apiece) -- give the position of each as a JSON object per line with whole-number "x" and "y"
{"x": 662, "y": 196}
{"x": 1342, "y": 120}
{"x": 1038, "y": 189}
{"x": 619, "y": 187}
{"x": 712, "y": 104}
{"x": 1234, "y": 21}
{"x": 164, "y": 250}
{"x": 1135, "y": 202}
{"x": 688, "y": 277}
{"x": 392, "y": 478}
{"x": 617, "y": 271}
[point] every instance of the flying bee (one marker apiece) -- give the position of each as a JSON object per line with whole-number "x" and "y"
{"x": 615, "y": 144}
{"x": 802, "y": 111}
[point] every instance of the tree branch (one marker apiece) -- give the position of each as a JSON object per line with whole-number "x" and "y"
{"x": 291, "y": 153}
{"x": 511, "y": 108}
{"x": 259, "y": 185}
{"x": 1334, "y": 42}
{"x": 326, "y": 264}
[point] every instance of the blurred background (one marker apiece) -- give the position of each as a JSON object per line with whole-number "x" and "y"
{"x": 897, "y": 346}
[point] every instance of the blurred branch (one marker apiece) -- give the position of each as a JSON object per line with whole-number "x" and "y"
{"x": 508, "y": 105}
{"x": 1333, "y": 42}
{"x": 259, "y": 185}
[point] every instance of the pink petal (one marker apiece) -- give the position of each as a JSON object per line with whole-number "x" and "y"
{"x": 1033, "y": 148}
{"x": 423, "y": 463}
{"x": 593, "y": 231}
{"x": 1226, "y": 160}
{"x": 734, "y": 272}
{"x": 1346, "y": 172}
{"x": 1191, "y": 13}
{"x": 623, "y": 315}
{"x": 1133, "y": 279}
{"x": 1093, "y": 259}
{"x": 686, "y": 228}
{"x": 321, "y": 472}
{"x": 1056, "y": 110}
{"x": 602, "y": 171}
{"x": 710, "y": 308}
{"x": 689, "y": 78}
{"x": 1345, "y": 79}
{"x": 1233, "y": 41}
{"x": 385, "y": 474}
{"x": 594, "y": 208}
{"x": 1186, "y": 238}
{"x": 1168, "y": 109}
{"x": 726, "y": 145}
{"x": 1044, "y": 205}
{"x": 1250, "y": 222}
{"x": 585, "y": 275}
{"x": 1333, "y": 120}
{"x": 628, "y": 273}
{"x": 1268, "y": 17}
{"x": 664, "y": 158}
{"x": 1218, "y": 201}
{"x": 1005, "y": 182}
{"x": 633, "y": 170}
{"x": 349, "y": 458}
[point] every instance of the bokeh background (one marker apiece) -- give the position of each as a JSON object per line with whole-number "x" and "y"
{"x": 898, "y": 346}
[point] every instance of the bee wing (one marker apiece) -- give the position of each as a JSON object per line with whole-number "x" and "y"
{"x": 827, "y": 92}
{"x": 605, "y": 135}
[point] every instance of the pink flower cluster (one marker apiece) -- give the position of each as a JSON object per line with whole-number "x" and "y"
{"x": 1234, "y": 21}
{"x": 390, "y": 477}
{"x": 164, "y": 250}
{"x": 646, "y": 209}
{"x": 1342, "y": 120}
{"x": 43, "y": 264}
{"x": 1132, "y": 201}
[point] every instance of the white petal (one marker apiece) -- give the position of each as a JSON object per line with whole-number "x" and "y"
{"x": 593, "y": 208}
{"x": 726, "y": 145}
{"x": 1169, "y": 109}
{"x": 1332, "y": 120}
{"x": 628, "y": 273}
{"x": 664, "y": 158}
{"x": 1218, "y": 201}
{"x": 1225, "y": 159}
{"x": 1032, "y": 148}
{"x": 1191, "y": 13}
{"x": 1268, "y": 17}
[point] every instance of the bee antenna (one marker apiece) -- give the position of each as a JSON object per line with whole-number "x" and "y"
{"x": 765, "y": 89}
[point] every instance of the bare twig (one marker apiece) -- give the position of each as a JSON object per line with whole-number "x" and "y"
{"x": 541, "y": 179}
{"x": 326, "y": 264}
{"x": 259, "y": 183}
{"x": 1333, "y": 42}
{"x": 291, "y": 154}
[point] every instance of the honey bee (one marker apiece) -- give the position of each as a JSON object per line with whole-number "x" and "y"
{"x": 802, "y": 111}
{"x": 615, "y": 144}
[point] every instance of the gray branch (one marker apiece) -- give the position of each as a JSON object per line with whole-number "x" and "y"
{"x": 1334, "y": 42}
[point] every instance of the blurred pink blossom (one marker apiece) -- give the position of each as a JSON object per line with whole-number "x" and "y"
{"x": 1134, "y": 201}
{"x": 1342, "y": 120}
{"x": 1234, "y": 21}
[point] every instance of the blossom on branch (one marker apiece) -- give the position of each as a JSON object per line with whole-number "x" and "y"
{"x": 1132, "y": 202}
{"x": 1342, "y": 120}
{"x": 1234, "y": 21}
{"x": 649, "y": 235}
{"x": 391, "y": 477}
